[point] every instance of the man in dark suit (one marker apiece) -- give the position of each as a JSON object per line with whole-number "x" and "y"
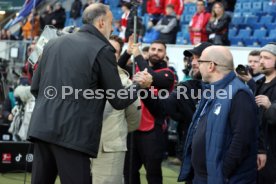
{"x": 76, "y": 74}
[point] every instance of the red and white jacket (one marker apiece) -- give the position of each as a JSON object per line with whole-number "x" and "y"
{"x": 155, "y": 6}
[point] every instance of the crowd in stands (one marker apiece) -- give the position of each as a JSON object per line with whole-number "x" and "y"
{"x": 218, "y": 21}
{"x": 164, "y": 20}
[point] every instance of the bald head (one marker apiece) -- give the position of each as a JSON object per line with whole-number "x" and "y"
{"x": 93, "y": 12}
{"x": 221, "y": 56}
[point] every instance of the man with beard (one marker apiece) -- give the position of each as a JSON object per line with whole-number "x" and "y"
{"x": 182, "y": 102}
{"x": 265, "y": 95}
{"x": 146, "y": 145}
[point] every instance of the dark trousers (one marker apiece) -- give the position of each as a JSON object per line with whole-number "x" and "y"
{"x": 146, "y": 149}
{"x": 49, "y": 160}
{"x": 267, "y": 174}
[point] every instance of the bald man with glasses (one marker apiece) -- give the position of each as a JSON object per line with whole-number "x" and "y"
{"x": 224, "y": 127}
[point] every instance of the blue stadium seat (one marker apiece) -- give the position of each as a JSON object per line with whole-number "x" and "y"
{"x": 145, "y": 19}
{"x": 187, "y": 19}
{"x": 271, "y": 26}
{"x": 271, "y": 38}
{"x": 271, "y": 9}
{"x": 244, "y": 33}
{"x": 256, "y": 38}
{"x": 272, "y": 34}
{"x": 257, "y": 6}
{"x": 232, "y": 32}
{"x": 237, "y": 20}
{"x": 114, "y": 3}
{"x": 267, "y": 19}
{"x": 265, "y": 41}
{"x": 247, "y": 6}
{"x": 238, "y": 7}
{"x": 180, "y": 40}
{"x": 248, "y": 14}
{"x": 242, "y": 1}
{"x": 185, "y": 29}
{"x": 237, "y": 14}
{"x": 236, "y": 42}
{"x": 265, "y": 5}
{"x": 190, "y": 8}
{"x": 250, "y": 20}
{"x": 186, "y": 37}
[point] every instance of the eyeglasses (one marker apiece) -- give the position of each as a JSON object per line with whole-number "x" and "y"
{"x": 206, "y": 61}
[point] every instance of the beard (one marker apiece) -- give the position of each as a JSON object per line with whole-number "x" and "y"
{"x": 154, "y": 59}
{"x": 196, "y": 74}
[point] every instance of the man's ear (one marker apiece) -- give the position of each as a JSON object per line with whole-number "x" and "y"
{"x": 101, "y": 22}
{"x": 211, "y": 67}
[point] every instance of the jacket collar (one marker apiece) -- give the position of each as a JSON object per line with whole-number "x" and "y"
{"x": 159, "y": 65}
{"x": 221, "y": 84}
{"x": 93, "y": 30}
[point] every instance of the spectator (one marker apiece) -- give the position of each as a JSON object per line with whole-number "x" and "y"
{"x": 221, "y": 145}
{"x": 155, "y": 9}
{"x": 147, "y": 147}
{"x": 167, "y": 26}
{"x": 75, "y": 12}
{"x": 59, "y": 16}
{"x": 47, "y": 16}
{"x": 265, "y": 95}
{"x": 187, "y": 68}
{"x": 10, "y": 36}
{"x": 124, "y": 19}
{"x": 108, "y": 167}
{"x": 31, "y": 28}
{"x": 178, "y": 7}
{"x": 254, "y": 70}
{"x": 217, "y": 27}
{"x": 197, "y": 26}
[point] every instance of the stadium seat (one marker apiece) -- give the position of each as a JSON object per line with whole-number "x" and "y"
{"x": 187, "y": 19}
{"x": 250, "y": 20}
{"x": 244, "y": 33}
{"x": 232, "y": 33}
{"x": 247, "y": 6}
{"x": 267, "y": 19}
{"x": 180, "y": 40}
{"x": 256, "y": 38}
{"x": 236, "y": 42}
{"x": 271, "y": 26}
{"x": 271, "y": 8}
{"x": 265, "y": 41}
{"x": 238, "y": 7}
{"x": 237, "y": 21}
{"x": 190, "y": 8}
{"x": 257, "y": 6}
{"x": 272, "y": 34}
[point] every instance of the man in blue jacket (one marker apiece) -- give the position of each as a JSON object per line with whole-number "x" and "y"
{"x": 221, "y": 145}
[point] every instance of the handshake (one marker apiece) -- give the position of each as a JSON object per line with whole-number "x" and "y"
{"x": 143, "y": 78}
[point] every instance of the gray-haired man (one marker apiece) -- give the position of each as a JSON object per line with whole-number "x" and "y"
{"x": 66, "y": 124}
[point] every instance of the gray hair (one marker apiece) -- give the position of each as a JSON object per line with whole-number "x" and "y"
{"x": 93, "y": 12}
